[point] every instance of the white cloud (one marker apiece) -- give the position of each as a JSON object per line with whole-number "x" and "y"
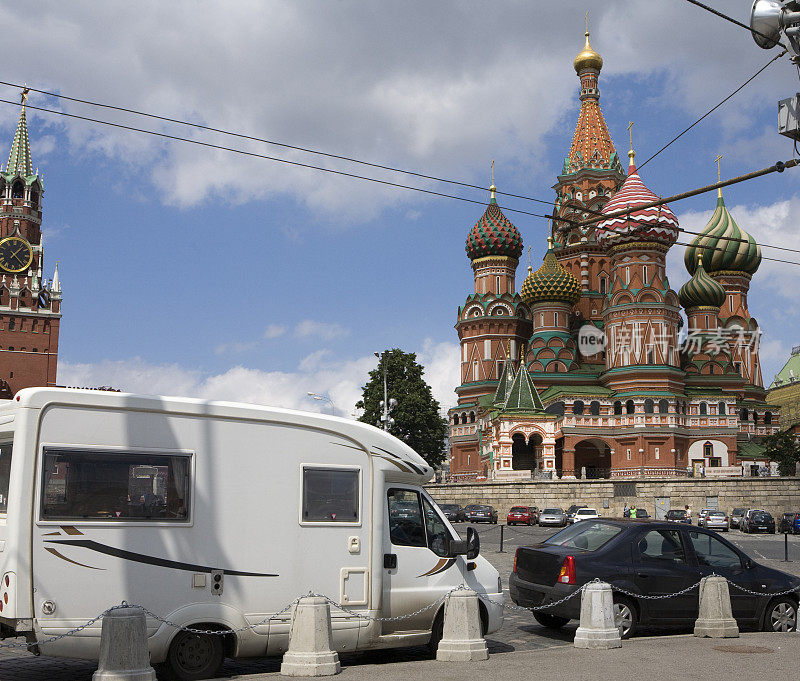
{"x": 236, "y": 347}
{"x": 441, "y": 87}
{"x": 310, "y": 328}
{"x": 274, "y": 331}
{"x": 341, "y": 380}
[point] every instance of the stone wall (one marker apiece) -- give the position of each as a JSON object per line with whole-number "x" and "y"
{"x": 775, "y": 495}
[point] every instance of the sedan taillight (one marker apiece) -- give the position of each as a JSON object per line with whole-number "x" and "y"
{"x": 567, "y": 574}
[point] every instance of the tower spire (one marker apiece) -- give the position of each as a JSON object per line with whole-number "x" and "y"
{"x": 19, "y": 160}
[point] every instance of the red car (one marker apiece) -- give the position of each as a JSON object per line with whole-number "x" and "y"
{"x": 521, "y": 514}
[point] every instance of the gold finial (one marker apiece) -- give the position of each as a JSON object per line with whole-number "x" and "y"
{"x": 550, "y": 243}
{"x": 24, "y": 95}
{"x": 492, "y": 188}
{"x": 699, "y": 257}
{"x": 719, "y": 174}
{"x": 631, "y": 153}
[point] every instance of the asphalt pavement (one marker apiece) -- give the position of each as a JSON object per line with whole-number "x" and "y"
{"x": 550, "y": 651}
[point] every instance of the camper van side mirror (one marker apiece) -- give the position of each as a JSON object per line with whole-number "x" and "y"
{"x": 473, "y": 544}
{"x": 458, "y": 547}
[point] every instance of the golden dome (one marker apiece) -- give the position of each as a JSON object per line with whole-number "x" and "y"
{"x": 587, "y": 58}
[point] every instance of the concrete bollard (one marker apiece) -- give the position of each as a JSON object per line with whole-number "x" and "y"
{"x": 310, "y": 650}
{"x": 123, "y": 647}
{"x": 597, "y": 628}
{"x": 462, "y": 639}
{"x": 715, "y": 619}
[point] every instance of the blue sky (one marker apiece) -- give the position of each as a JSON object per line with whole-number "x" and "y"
{"x": 192, "y": 271}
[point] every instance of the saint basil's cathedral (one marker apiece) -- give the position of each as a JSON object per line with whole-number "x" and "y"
{"x": 587, "y": 371}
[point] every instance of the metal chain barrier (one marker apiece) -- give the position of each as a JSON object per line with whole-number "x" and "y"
{"x": 359, "y": 615}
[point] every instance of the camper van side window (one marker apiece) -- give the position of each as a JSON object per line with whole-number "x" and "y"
{"x": 330, "y": 495}
{"x": 405, "y": 518}
{"x": 115, "y": 486}
{"x": 5, "y": 474}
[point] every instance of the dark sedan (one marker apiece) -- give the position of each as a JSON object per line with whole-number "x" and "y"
{"x": 647, "y": 558}
{"x": 678, "y": 515}
{"x": 478, "y": 513}
{"x": 758, "y": 521}
{"x": 453, "y": 512}
{"x": 790, "y": 523}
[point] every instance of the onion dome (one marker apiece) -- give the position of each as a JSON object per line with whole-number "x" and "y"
{"x": 550, "y": 283}
{"x": 723, "y": 245}
{"x": 587, "y": 58}
{"x": 656, "y": 224}
{"x": 494, "y": 234}
{"x": 701, "y": 290}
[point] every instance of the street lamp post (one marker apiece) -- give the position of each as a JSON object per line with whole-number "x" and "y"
{"x": 387, "y": 405}
{"x": 324, "y": 398}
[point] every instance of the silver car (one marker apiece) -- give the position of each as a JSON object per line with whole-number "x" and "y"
{"x": 553, "y": 516}
{"x": 716, "y": 520}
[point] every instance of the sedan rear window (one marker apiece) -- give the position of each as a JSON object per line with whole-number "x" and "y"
{"x": 519, "y": 509}
{"x": 555, "y": 511}
{"x": 586, "y": 535}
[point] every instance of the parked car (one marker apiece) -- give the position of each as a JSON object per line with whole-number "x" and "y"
{"x": 553, "y": 517}
{"x": 521, "y": 514}
{"x": 648, "y": 559}
{"x": 571, "y": 511}
{"x": 480, "y": 513}
{"x": 702, "y": 516}
{"x": 678, "y": 515}
{"x": 453, "y": 512}
{"x": 642, "y": 513}
{"x": 585, "y": 514}
{"x": 758, "y": 521}
{"x": 716, "y": 520}
{"x": 745, "y": 518}
{"x": 790, "y": 523}
{"x": 736, "y": 515}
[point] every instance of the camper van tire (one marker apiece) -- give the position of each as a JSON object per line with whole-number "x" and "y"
{"x": 192, "y": 657}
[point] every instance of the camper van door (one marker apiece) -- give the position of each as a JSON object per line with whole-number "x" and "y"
{"x": 417, "y": 569}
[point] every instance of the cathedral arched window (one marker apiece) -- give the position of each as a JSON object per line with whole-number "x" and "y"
{"x": 721, "y": 409}
{"x": 455, "y": 419}
{"x": 755, "y": 418}
{"x": 744, "y": 415}
{"x": 34, "y": 197}
{"x": 663, "y": 407}
{"x": 472, "y": 417}
{"x": 630, "y": 408}
{"x": 617, "y": 408}
{"x": 594, "y": 408}
{"x": 17, "y": 190}
{"x": 768, "y": 418}
{"x": 703, "y": 409}
{"x": 649, "y": 406}
{"x": 708, "y": 449}
{"x": 556, "y": 408}
{"x": 577, "y": 407}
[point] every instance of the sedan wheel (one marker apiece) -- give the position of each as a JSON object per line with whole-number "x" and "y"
{"x": 781, "y": 616}
{"x": 625, "y": 617}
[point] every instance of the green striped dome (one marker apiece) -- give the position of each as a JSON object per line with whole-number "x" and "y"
{"x": 701, "y": 290}
{"x": 724, "y": 245}
{"x": 550, "y": 283}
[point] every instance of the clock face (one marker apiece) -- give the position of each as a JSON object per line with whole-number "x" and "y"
{"x": 16, "y": 254}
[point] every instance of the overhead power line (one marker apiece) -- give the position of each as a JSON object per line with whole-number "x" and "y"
{"x": 721, "y": 15}
{"x": 712, "y": 110}
{"x": 397, "y": 185}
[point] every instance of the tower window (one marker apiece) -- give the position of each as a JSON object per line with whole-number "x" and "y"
{"x": 555, "y": 319}
{"x": 17, "y": 190}
{"x": 617, "y": 408}
{"x": 644, "y": 274}
{"x": 721, "y": 409}
{"x": 708, "y": 449}
{"x": 594, "y": 408}
{"x": 475, "y": 370}
{"x": 497, "y": 284}
{"x": 602, "y": 285}
{"x": 650, "y": 356}
{"x": 663, "y": 407}
{"x": 541, "y": 319}
{"x": 630, "y": 408}
{"x": 627, "y": 275}
{"x": 648, "y": 406}
{"x": 577, "y": 407}
{"x": 703, "y": 409}
{"x": 500, "y": 366}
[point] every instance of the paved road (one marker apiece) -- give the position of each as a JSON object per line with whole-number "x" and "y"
{"x": 520, "y": 631}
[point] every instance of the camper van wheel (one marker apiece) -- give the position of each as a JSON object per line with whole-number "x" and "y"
{"x": 437, "y": 630}
{"x": 193, "y": 657}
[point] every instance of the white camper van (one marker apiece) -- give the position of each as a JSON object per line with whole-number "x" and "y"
{"x": 216, "y": 515}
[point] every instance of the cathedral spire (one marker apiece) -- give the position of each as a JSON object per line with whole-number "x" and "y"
{"x": 19, "y": 160}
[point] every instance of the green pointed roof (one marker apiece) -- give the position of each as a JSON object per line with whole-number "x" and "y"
{"x": 701, "y": 290}
{"x": 724, "y": 245}
{"x": 19, "y": 160}
{"x": 523, "y": 395}
{"x": 504, "y": 385}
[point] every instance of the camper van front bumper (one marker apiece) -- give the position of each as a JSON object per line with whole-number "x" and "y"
{"x": 11, "y": 628}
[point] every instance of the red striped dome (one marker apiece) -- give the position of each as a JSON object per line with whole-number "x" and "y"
{"x": 657, "y": 224}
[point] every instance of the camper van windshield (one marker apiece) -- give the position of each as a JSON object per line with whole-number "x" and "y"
{"x": 5, "y": 474}
{"x": 97, "y": 485}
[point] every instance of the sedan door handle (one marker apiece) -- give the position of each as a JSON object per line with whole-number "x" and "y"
{"x": 642, "y": 575}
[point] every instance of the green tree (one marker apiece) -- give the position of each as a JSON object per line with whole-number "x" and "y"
{"x": 417, "y": 421}
{"x": 783, "y": 448}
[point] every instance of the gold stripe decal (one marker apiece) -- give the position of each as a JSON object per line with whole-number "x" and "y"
{"x": 74, "y": 562}
{"x": 441, "y": 566}
{"x": 71, "y": 530}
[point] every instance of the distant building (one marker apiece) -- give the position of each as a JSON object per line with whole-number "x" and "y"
{"x": 585, "y": 370}
{"x": 30, "y": 306}
{"x": 785, "y": 391}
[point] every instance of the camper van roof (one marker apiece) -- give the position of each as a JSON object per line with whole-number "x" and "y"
{"x": 374, "y": 440}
